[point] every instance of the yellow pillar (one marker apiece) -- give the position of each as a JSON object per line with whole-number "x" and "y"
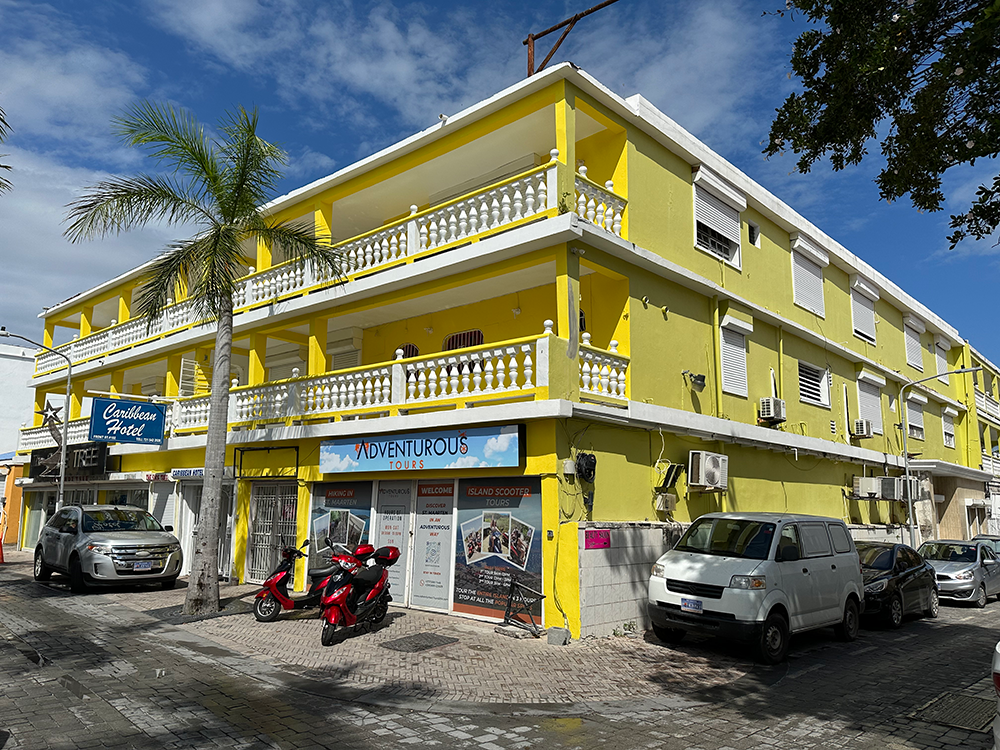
{"x": 76, "y": 399}
{"x": 322, "y": 218}
{"x": 317, "y": 346}
{"x": 40, "y": 397}
{"x": 86, "y": 318}
{"x": 263, "y": 255}
{"x": 258, "y": 355}
{"x": 172, "y": 386}
{"x": 125, "y": 305}
{"x": 118, "y": 381}
{"x": 50, "y": 331}
{"x": 567, "y": 294}
{"x": 566, "y": 143}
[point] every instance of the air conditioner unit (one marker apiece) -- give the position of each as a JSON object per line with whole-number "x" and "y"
{"x": 772, "y": 409}
{"x": 892, "y": 488}
{"x": 862, "y": 428}
{"x": 914, "y": 488}
{"x": 708, "y": 472}
{"x": 666, "y": 502}
{"x": 870, "y": 487}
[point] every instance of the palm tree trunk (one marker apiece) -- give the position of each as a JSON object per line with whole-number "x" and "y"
{"x": 203, "y": 584}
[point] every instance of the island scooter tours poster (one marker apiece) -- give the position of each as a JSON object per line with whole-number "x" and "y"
{"x": 500, "y": 523}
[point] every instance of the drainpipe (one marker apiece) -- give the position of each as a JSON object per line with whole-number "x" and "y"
{"x": 717, "y": 355}
{"x": 781, "y": 363}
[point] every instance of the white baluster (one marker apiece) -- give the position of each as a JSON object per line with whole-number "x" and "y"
{"x": 411, "y": 385}
{"x": 529, "y": 200}
{"x": 616, "y": 224}
{"x": 613, "y": 348}
{"x": 543, "y": 190}
{"x": 501, "y": 373}
{"x": 581, "y": 205}
{"x": 548, "y": 326}
{"x": 477, "y": 377}
{"x": 473, "y": 219}
{"x": 518, "y": 205}
{"x": 453, "y": 378}
{"x": 463, "y": 224}
{"x": 489, "y": 375}
{"x": 586, "y": 339}
{"x": 423, "y": 236}
{"x": 422, "y": 385}
{"x": 585, "y": 375}
{"x": 605, "y": 377}
{"x": 432, "y": 380}
{"x": 452, "y": 225}
{"x": 368, "y": 392}
{"x": 465, "y": 378}
{"x": 528, "y": 369}
{"x": 495, "y": 213}
{"x": 443, "y": 380}
{"x": 599, "y": 217}
{"x": 591, "y": 210}
{"x": 621, "y": 382}
{"x": 512, "y": 372}
{"x": 505, "y": 208}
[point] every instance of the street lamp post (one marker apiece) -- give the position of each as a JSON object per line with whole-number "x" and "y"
{"x": 906, "y": 430}
{"x": 69, "y": 395}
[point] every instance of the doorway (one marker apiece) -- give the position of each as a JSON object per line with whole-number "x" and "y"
{"x": 274, "y": 511}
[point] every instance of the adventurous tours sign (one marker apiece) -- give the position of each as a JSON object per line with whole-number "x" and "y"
{"x": 120, "y": 421}
{"x": 473, "y": 448}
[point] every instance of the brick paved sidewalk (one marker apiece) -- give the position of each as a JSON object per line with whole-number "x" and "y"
{"x": 479, "y": 666}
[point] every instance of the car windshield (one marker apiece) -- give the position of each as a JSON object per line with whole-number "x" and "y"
{"x": 948, "y": 552}
{"x": 877, "y": 558}
{"x": 729, "y": 537}
{"x": 118, "y": 519}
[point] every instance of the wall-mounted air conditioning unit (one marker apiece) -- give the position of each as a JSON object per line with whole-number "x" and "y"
{"x": 914, "y": 489}
{"x": 862, "y": 428}
{"x": 708, "y": 472}
{"x": 892, "y": 488}
{"x": 870, "y": 487}
{"x": 772, "y": 409}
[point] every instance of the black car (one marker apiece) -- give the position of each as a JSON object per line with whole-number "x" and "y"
{"x": 897, "y": 581}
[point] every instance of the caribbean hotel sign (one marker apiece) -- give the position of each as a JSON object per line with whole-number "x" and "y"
{"x": 474, "y": 448}
{"x": 119, "y": 421}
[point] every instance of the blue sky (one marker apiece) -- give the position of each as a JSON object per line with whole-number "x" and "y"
{"x": 337, "y": 80}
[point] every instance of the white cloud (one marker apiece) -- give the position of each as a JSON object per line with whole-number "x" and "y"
{"x": 497, "y": 445}
{"x": 332, "y": 462}
{"x": 467, "y": 462}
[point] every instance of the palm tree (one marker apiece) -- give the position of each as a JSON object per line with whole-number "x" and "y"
{"x": 219, "y": 185}
{"x": 4, "y": 132}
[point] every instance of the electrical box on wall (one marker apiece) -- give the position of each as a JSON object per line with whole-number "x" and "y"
{"x": 867, "y": 487}
{"x": 666, "y": 502}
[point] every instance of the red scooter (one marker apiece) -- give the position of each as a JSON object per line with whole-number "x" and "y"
{"x": 359, "y": 598}
{"x": 274, "y": 596}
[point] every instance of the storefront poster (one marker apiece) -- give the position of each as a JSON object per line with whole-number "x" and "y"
{"x": 432, "y": 540}
{"x": 393, "y": 504}
{"x": 341, "y": 512}
{"x": 499, "y": 521}
{"x": 474, "y": 448}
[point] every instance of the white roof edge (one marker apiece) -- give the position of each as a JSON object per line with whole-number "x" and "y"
{"x": 96, "y": 290}
{"x": 982, "y": 358}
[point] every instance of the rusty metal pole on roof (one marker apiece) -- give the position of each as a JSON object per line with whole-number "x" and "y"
{"x": 569, "y": 23}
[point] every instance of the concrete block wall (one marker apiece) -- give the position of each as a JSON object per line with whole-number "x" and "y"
{"x": 613, "y": 580}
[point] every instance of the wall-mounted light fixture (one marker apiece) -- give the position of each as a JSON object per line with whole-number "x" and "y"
{"x": 697, "y": 381}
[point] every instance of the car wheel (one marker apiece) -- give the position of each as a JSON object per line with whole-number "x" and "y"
{"x": 77, "y": 584}
{"x": 170, "y": 583}
{"x": 266, "y": 608}
{"x": 934, "y": 605}
{"x": 895, "y": 614}
{"x": 42, "y": 571}
{"x": 981, "y": 599}
{"x": 773, "y": 644}
{"x": 672, "y": 636}
{"x": 848, "y": 628}
{"x": 329, "y": 633}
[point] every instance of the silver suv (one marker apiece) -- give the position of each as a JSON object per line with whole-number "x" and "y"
{"x": 107, "y": 544}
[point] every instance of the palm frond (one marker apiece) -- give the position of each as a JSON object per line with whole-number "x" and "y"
{"x": 168, "y": 273}
{"x": 171, "y": 136}
{"x": 218, "y": 265}
{"x": 253, "y": 166}
{"x": 123, "y": 203}
{"x": 5, "y": 184}
{"x": 297, "y": 240}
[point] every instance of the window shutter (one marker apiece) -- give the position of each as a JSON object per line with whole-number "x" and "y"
{"x": 870, "y": 404}
{"x": 915, "y": 414}
{"x": 914, "y": 353}
{"x": 864, "y": 316}
{"x": 807, "y": 283}
{"x": 813, "y": 385}
{"x": 717, "y": 214}
{"x": 942, "y": 363}
{"x": 734, "y": 363}
{"x": 948, "y": 422}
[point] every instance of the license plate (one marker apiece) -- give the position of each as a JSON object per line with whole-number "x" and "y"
{"x": 691, "y": 605}
{"x": 148, "y": 565}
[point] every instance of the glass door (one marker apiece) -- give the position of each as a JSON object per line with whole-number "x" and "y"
{"x": 392, "y": 506}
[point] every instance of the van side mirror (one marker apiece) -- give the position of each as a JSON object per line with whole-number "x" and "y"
{"x": 168, "y": 528}
{"x": 788, "y": 554}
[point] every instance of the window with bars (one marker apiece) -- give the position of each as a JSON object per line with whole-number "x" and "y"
{"x": 807, "y": 284}
{"x": 948, "y": 424}
{"x": 463, "y": 340}
{"x": 914, "y": 352}
{"x": 734, "y": 363}
{"x": 814, "y": 385}
{"x": 915, "y": 419}
{"x": 409, "y": 350}
{"x": 863, "y": 311}
{"x": 870, "y": 404}
{"x": 717, "y": 226}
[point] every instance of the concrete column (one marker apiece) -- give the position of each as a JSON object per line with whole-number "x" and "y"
{"x": 322, "y": 217}
{"x": 173, "y": 380}
{"x": 263, "y": 255}
{"x": 50, "y": 330}
{"x": 317, "y": 346}
{"x": 566, "y": 143}
{"x": 118, "y": 381}
{"x": 258, "y": 356}
{"x": 125, "y": 305}
{"x": 86, "y": 321}
{"x": 76, "y": 401}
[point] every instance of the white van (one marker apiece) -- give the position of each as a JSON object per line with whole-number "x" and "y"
{"x": 758, "y": 577}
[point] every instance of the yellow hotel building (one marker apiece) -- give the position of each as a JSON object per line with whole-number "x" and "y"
{"x": 625, "y": 330}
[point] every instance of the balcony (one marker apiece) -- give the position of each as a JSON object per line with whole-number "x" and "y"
{"x": 524, "y": 198}
{"x": 35, "y": 438}
{"x": 507, "y": 371}
{"x": 987, "y": 405}
{"x": 991, "y": 463}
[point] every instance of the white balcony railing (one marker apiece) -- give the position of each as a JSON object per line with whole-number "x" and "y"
{"x": 599, "y": 205}
{"x": 987, "y": 404}
{"x": 991, "y": 463}
{"x": 603, "y": 373}
{"x": 485, "y": 210}
{"x": 35, "y": 438}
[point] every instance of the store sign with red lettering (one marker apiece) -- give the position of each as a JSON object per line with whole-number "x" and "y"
{"x": 472, "y": 448}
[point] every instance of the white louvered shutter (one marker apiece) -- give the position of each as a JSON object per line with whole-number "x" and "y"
{"x": 717, "y": 214}
{"x": 870, "y": 404}
{"x": 734, "y": 363}
{"x": 813, "y": 385}
{"x": 807, "y": 283}
{"x": 915, "y": 416}
{"x": 864, "y": 315}
{"x": 914, "y": 353}
{"x": 948, "y": 423}
{"x": 942, "y": 363}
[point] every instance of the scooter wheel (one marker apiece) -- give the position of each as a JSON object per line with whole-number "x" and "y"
{"x": 266, "y": 609}
{"x": 329, "y": 634}
{"x": 380, "y": 611}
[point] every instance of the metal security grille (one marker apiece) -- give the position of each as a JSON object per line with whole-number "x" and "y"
{"x": 914, "y": 353}
{"x": 274, "y": 510}
{"x": 734, "y": 362}
{"x": 463, "y": 340}
{"x": 807, "y": 283}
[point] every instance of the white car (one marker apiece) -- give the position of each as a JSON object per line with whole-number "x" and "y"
{"x": 758, "y": 577}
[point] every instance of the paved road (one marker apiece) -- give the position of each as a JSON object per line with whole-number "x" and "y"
{"x": 118, "y": 670}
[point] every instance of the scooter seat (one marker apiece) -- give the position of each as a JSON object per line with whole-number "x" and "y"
{"x": 322, "y": 572}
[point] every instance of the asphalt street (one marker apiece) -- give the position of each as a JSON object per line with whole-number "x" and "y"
{"x": 120, "y": 669}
